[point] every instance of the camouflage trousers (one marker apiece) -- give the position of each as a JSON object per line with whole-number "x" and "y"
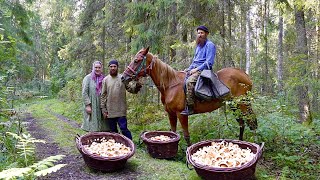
{"x": 190, "y": 84}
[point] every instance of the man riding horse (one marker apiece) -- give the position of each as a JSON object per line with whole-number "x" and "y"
{"x": 203, "y": 59}
{"x": 170, "y": 83}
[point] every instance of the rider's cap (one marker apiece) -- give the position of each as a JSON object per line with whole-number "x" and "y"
{"x": 203, "y": 28}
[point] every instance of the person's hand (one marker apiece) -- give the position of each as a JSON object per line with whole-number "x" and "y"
{"x": 88, "y": 109}
{"x": 193, "y": 71}
{"x": 105, "y": 114}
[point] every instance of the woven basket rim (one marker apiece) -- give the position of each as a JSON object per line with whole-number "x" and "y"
{"x": 124, "y": 157}
{"x": 148, "y": 140}
{"x": 217, "y": 169}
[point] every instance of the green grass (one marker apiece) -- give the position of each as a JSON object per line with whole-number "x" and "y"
{"x": 148, "y": 167}
{"x": 58, "y": 130}
{"x": 291, "y": 149}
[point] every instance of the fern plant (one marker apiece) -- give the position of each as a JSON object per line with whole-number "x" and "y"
{"x": 25, "y": 149}
{"x": 40, "y": 168}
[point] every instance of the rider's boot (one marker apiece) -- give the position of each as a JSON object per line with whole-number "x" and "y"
{"x": 188, "y": 110}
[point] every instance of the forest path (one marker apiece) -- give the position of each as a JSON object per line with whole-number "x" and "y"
{"x": 75, "y": 168}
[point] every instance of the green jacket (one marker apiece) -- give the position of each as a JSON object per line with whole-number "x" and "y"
{"x": 113, "y": 97}
{"x": 93, "y": 121}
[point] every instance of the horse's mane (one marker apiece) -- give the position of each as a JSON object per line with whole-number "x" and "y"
{"x": 167, "y": 75}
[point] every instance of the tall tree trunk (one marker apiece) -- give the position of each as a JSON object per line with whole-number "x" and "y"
{"x": 317, "y": 74}
{"x": 265, "y": 84}
{"x": 242, "y": 61}
{"x": 223, "y": 35}
{"x": 103, "y": 39}
{"x": 280, "y": 54}
{"x": 184, "y": 52}
{"x": 229, "y": 60}
{"x": 248, "y": 61}
{"x": 173, "y": 29}
{"x": 302, "y": 51}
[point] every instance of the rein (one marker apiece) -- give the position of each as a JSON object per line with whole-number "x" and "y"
{"x": 141, "y": 67}
{"x": 146, "y": 71}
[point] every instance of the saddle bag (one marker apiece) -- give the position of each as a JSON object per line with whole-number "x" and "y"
{"x": 209, "y": 87}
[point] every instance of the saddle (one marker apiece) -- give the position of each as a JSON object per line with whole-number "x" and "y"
{"x": 209, "y": 87}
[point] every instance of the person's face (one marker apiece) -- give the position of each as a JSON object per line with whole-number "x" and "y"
{"x": 113, "y": 70}
{"x": 201, "y": 37}
{"x": 97, "y": 69}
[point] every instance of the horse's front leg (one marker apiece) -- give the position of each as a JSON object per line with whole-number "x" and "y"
{"x": 184, "y": 124}
{"x": 173, "y": 122}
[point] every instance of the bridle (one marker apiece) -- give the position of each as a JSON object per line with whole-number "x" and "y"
{"x": 141, "y": 68}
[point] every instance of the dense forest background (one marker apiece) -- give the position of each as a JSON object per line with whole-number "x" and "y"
{"x": 48, "y": 46}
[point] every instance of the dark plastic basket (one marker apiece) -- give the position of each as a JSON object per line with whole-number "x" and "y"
{"x": 243, "y": 172}
{"x": 161, "y": 149}
{"x": 105, "y": 164}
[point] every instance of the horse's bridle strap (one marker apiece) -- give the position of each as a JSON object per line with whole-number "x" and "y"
{"x": 141, "y": 67}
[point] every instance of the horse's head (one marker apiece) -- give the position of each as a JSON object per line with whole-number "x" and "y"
{"x": 138, "y": 67}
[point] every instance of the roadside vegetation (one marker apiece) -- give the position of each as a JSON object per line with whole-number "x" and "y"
{"x": 291, "y": 149}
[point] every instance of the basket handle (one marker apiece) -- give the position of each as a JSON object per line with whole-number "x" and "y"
{"x": 140, "y": 142}
{"x": 76, "y": 138}
{"x": 187, "y": 163}
{"x": 260, "y": 150}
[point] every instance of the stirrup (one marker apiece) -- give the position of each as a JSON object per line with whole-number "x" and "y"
{"x": 187, "y": 111}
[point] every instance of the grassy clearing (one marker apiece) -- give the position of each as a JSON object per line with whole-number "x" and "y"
{"x": 291, "y": 149}
{"x": 58, "y": 130}
{"x": 141, "y": 162}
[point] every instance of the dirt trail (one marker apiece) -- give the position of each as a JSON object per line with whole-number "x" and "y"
{"x": 75, "y": 169}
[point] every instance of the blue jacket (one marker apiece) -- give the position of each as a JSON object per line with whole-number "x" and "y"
{"x": 204, "y": 56}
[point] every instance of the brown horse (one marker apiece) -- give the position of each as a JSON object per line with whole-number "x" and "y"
{"x": 170, "y": 83}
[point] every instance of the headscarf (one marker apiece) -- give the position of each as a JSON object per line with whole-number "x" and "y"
{"x": 97, "y": 78}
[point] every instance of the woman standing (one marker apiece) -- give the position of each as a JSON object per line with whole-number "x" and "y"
{"x": 91, "y": 90}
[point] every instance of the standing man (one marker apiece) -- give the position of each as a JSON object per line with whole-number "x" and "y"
{"x": 91, "y": 89}
{"x": 203, "y": 59}
{"x": 113, "y": 100}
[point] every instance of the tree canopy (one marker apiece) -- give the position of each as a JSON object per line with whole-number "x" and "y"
{"x": 47, "y": 44}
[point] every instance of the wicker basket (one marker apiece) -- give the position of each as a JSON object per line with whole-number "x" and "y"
{"x": 160, "y": 149}
{"x": 105, "y": 164}
{"x": 243, "y": 172}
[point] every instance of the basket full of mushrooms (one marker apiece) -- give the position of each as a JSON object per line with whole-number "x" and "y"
{"x": 161, "y": 144}
{"x": 224, "y": 159}
{"x": 105, "y": 151}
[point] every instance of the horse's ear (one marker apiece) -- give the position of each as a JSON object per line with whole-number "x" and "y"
{"x": 147, "y": 49}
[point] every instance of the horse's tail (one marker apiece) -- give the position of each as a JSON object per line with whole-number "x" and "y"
{"x": 242, "y": 85}
{"x": 251, "y": 118}
{"x": 245, "y": 79}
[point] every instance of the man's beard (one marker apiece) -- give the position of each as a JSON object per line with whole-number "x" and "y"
{"x": 201, "y": 41}
{"x": 114, "y": 73}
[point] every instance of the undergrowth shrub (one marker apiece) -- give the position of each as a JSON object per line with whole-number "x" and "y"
{"x": 71, "y": 91}
{"x": 142, "y": 112}
{"x": 22, "y": 165}
{"x": 288, "y": 144}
